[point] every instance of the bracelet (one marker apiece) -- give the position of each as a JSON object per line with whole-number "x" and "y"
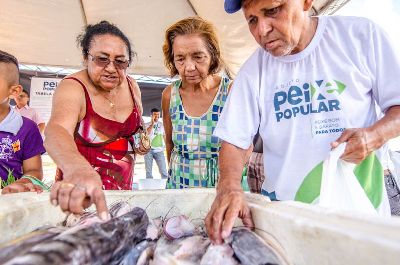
{"x": 36, "y": 181}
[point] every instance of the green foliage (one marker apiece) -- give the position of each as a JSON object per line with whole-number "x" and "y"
{"x": 10, "y": 179}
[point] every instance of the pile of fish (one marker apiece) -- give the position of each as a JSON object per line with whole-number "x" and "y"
{"x": 130, "y": 237}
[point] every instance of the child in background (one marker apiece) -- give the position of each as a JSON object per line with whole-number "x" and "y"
{"x": 21, "y": 144}
{"x": 25, "y": 110}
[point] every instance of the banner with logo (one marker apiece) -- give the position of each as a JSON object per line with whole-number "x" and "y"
{"x": 41, "y": 95}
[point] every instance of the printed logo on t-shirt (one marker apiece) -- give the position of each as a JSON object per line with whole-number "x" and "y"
{"x": 16, "y": 146}
{"x": 327, "y": 125}
{"x": 157, "y": 129}
{"x": 6, "y": 148}
{"x": 313, "y": 97}
{"x": 156, "y": 136}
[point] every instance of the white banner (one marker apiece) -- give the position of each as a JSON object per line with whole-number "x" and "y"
{"x": 41, "y": 95}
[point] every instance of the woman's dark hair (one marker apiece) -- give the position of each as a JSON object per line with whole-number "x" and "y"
{"x": 193, "y": 25}
{"x": 102, "y": 28}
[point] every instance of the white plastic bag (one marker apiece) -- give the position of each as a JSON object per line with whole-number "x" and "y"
{"x": 340, "y": 188}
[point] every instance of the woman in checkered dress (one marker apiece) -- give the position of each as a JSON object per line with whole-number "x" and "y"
{"x": 192, "y": 105}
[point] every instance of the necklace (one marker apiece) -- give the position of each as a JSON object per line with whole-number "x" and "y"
{"x": 112, "y": 105}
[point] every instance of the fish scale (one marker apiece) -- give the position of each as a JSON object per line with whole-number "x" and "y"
{"x": 99, "y": 243}
{"x": 250, "y": 249}
{"x": 21, "y": 245}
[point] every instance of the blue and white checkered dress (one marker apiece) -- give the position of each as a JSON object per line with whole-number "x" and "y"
{"x": 194, "y": 159}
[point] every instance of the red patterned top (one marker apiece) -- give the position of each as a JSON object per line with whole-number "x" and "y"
{"x": 107, "y": 144}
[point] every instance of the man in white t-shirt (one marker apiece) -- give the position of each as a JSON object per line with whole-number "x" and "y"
{"x": 155, "y": 130}
{"x": 310, "y": 86}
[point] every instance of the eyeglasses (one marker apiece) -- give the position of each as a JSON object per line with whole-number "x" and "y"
{"x": 102, "y": 61}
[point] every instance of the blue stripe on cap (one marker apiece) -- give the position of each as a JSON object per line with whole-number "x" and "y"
{"x": 231, "y": 6}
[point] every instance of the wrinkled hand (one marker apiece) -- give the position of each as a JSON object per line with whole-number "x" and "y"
{"x": 142, "y": 151}
{"x": 360, "y": 143}
{"x": 78, "y": 190}
{"x": 21, "y": 187}
{"x": 227, "y": 205}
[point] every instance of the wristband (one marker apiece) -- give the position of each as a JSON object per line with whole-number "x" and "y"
{"x": 36, "y": 181}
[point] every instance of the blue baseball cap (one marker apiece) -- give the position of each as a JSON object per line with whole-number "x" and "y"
{"x": 231, "y": 6}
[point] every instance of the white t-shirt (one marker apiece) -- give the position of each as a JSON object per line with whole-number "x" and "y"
{"x": 156, "y": 136}
{"x": 302, "y": 102}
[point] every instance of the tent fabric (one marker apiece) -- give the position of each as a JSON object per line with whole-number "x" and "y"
{"x": 43, "y": 32}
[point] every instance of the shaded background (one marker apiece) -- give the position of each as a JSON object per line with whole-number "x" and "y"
{"x": 151, "y": 92}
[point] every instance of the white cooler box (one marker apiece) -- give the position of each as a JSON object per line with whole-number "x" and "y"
{"x": 306, "y": 234}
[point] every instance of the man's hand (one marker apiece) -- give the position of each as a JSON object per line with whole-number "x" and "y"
{"x": 150, "y": 127}
{"x": 78, "y": 190}
{"x": 230, "y": 201}
{"x": 359, "y": 144}
{"x": 227, "y": 205}
{"x": 362, "y": 142}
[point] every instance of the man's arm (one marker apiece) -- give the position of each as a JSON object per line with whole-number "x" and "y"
{"x": 231, "y": 161}
{"x": 150, "y": 127}
{"x": 383, "y": 63}
{"x": 388, "y": 127}
{"x": 363, "y": 141}
{"x": 229, "y": 202}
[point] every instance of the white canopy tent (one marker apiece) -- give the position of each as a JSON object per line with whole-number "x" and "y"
{"x": 43, "y": 32}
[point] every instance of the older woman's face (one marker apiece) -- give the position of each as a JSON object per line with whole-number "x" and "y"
{"x": 103, "y": 47}
{"x": 191, "y": 58}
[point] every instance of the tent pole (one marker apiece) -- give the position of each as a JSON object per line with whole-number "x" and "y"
{"x": 83, "y": 12}
{"x": 194, "y": 10}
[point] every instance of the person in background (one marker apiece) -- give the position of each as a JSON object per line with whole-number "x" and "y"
{"x": 155, "y": 129}
{"x": 255, "y": 167}
{"x": 392, "y": 187}
{"x": 192, "y": 105}
{"x": 21, "y": 144}
{"x": 306, "y": 96}
{"x": 25, "y": 110}
{"x": 96, "y": 111}
{"x": 391, "y": 184}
